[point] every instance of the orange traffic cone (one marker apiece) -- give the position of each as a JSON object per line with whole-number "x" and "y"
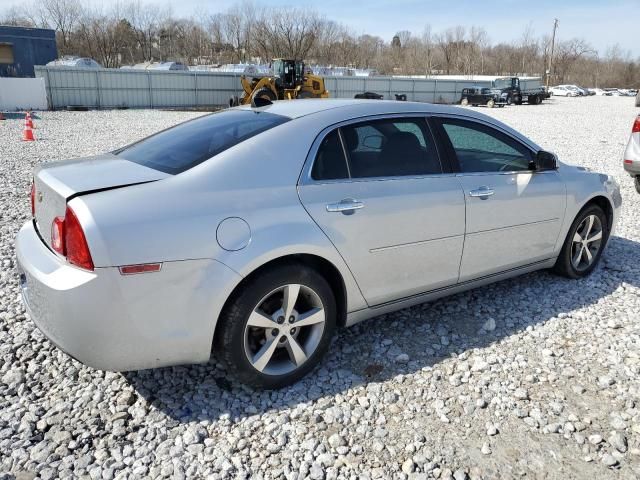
{"x": 27, "y": 134}
{"x": 28, "y": 122}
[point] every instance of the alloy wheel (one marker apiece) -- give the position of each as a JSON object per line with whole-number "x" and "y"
{"x": 284, "y": 330}
{"x": 587, "y": 241}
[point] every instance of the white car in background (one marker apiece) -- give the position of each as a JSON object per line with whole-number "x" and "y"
{"x": 578, "y": 91}
{"x": 632, "y": 154}
{"x": 562, "y": 91}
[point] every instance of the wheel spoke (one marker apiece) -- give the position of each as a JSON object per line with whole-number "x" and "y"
{"x": 295, "y": 351}
{"x": 261, "y": 359}
{"x": 588, "y": 254}
{"x": 260, "y": 320}
{"x": 577, "y": 256}
{"x": 589, "y": 225}
{"x": 577, "y": 238}
{"x": 594, "y": 237}
{"x": 289, "y": 300}
{"x": 311, "y": 317}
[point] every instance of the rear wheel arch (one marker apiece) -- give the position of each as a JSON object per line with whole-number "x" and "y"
{"x": 321, "y": 265}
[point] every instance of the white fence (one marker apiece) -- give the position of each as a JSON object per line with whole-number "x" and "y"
{"x": 113, "y": 88}
{"x": 22, "y": 94}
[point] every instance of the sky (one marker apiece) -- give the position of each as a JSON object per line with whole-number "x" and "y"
{"x": 601, "y": 23}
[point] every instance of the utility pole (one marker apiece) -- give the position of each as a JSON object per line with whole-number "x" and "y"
{"x": 553, "y": 43}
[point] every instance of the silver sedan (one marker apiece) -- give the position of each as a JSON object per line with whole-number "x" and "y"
{"x": 254, "y": 233}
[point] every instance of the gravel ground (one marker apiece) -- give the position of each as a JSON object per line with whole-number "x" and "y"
{"x": 535, "y": 377}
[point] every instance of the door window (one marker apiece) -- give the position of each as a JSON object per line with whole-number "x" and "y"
{"x": 330, "y": 163}
{"x": 479, "y": 148}
{"x": 390, "y": 148}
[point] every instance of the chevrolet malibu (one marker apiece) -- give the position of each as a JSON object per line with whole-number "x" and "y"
{"x": 254, "y": 233}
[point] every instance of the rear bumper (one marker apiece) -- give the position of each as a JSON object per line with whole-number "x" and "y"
{"x": 114, "y": 322}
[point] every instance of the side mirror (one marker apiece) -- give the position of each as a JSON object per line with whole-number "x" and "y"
{"x": 546, "y": 161}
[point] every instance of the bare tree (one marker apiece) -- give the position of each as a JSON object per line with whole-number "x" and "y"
{"x": 62, "y": 15}
{"x": 132, "y": 31}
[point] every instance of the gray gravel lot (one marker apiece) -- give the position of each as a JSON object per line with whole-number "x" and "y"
{"x": 536, "y": 377}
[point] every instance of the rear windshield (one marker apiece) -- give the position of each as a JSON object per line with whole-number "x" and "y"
{"x": 186, "y": 145}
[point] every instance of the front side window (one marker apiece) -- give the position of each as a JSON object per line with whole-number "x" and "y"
{"x": 184, "y": 146}
{"x": 479, "y": 148}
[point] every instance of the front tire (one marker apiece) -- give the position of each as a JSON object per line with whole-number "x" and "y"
{"x": 584, "y": 244}
{"x": 277, "y": 327}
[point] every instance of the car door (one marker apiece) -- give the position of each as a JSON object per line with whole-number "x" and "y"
{"x": 379, "y": 192}
{"x": 513, "y": 212}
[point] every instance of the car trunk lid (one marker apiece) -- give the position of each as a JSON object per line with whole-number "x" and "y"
{"x": 58, "y": 182}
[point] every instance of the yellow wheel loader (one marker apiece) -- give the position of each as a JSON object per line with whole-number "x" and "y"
{"x": 289, "y": 81}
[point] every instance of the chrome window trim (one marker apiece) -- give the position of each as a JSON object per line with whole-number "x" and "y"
{"x": 305, "y": 175}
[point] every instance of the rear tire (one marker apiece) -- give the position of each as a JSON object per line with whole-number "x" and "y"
{"x": 464, "y": 102}
{"x": 491, "y": 103}
{"x": 636, "y": 182}
{"x": 584, "y": 243}
{"x": 253, "y": 325}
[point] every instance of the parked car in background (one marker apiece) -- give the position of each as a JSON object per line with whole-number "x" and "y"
{"x": 562, "y": 91}
{"x": 489, "y": 97}
{"x": 587, "y": 92}
{"x": 368, "y": 96}
{"x": 613, "y": 92}
{"x": 579, "y": 91}
{"x": 254, "y": 233}
{"x": 632, "y": 153}
{"x": 599, "y": 92}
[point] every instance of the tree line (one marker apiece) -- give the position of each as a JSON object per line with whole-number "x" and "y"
{"x": 134, "y": 32}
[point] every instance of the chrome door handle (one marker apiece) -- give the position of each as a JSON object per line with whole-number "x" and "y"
{"x": 482, "y": 192}
{"x": 345, "y": 206}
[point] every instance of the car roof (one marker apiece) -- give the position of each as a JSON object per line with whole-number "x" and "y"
{"x": 355, "y": 107}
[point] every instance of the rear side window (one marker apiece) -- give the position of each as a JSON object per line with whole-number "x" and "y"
{"x": 184, "y": 146}
{"x": 479, "y": 148}
{"x": 330, "y": 163}
{"x": 390, "y": 148}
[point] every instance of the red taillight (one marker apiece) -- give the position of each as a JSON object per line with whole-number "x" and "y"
{"x": 636, "y": 126}
{"x": 33, "y": 198}
{"x": 628, "y": 162}
{"x": 75, "y": 243}
{"x": 67, "y": 238}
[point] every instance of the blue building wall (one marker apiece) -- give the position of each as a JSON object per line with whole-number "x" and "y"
{"x": 31, "y": 46}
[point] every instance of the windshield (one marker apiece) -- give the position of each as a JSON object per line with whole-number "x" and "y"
{"x": 186, "y": 145}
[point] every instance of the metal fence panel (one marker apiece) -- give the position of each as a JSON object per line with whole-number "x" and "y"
{"x": 109, "y": 88}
